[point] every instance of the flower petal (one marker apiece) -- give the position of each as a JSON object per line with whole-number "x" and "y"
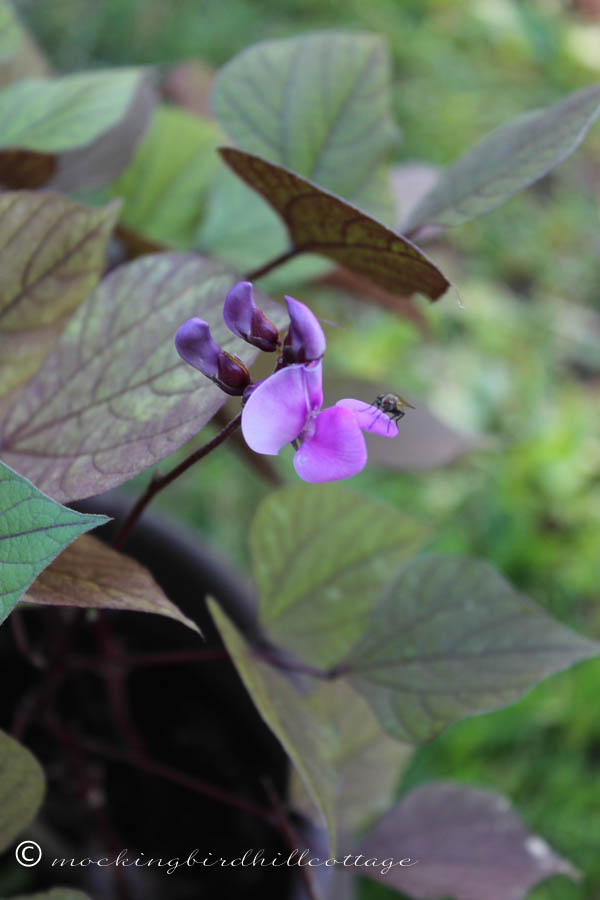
{"x": 335, "y": 450}
{"x": 370, "y": 418}
{"x": 305, "y": 341}
{"x": 195, "y": 345}
{"x": 278, "y": 408}
{"x": 244, "y": 318}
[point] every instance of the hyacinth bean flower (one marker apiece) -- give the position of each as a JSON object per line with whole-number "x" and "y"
{"x": 244, "y": 318}
{"x": 196, "y": 346}
{"x": 286, "y": 407}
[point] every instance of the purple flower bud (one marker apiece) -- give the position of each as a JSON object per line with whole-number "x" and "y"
{"x": 195, "y": 345}
{"x": 305, "y": 341}
{"x": 244, "y": 318}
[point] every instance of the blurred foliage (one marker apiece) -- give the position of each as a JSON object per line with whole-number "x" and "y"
{"x": 520, "y": 364}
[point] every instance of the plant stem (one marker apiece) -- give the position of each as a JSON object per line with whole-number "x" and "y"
{"x": 272, "y": 264}
{"x": 165, "y": 658}
{"x": 159, "y": 482}
{"x": 174, "y": 775}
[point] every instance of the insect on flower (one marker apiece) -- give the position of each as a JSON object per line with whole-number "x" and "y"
{"x": 392, "y": 405}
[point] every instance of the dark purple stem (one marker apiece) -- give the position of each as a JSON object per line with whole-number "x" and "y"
{"x": 159, "y": 482}
{"x": 272, "y": 264}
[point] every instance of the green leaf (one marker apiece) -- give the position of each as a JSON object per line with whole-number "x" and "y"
{"x": 286, "y": 713}
{"x": 74, "y": 132}
{"x": 507, "y": 160}
{"x": 164, "y": 188}
{"x": 319, "y": 222}
{"x": 51, "y": 256}
{"x": 331, "y": 737}
{"x": 58, "y": 893}
{"x": 21, "y": 787}
{"x": 481, "y": 847}
{"x": 33, "y": 530}
{"x": 367, "y": 763}
{"x": 53, "y": 115}
{"x": 91, "y": 575}
{"x": 451, "y": 638}
{"x": 113, "y": 397}
{"x": 318, "y": 104}
{"x": 321, "y": 556}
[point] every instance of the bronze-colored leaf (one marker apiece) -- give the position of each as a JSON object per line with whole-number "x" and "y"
{"x": 320, "y": 222}
{"x": 94, "y": 576}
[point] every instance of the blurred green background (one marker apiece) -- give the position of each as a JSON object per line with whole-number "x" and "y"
{"x": 520, "y": 364}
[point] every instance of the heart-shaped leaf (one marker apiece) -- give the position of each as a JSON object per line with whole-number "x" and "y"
{"x": 164, "y": 188}
{"x": 21, "y": 788}
{"x": 459, "y": 842}
{"x": 507, "y": 160}
{"x": 51, "y": 256}
{"x": 87, "y": 123}
{"x": 319, "y": 222}
{"x": 91, "y": 575}
{"x": 451, "y": 638}
{"x": 318, "y": 104}
{"x": 113, "y": 397}
{"x": 321, "y": 555}
{"x": 33, "y": 530}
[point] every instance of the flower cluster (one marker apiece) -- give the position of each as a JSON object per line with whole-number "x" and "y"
{"x": 286, "y": 407}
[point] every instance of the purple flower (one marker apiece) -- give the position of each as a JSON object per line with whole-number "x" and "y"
{"x": 244, "y": 318}
{"x": 287, "y": 407}
{"x": 196, "y": 346}
{"x": 305, "y": 341}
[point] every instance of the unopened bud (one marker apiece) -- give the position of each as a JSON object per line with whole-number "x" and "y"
{"x": 305, "y": 341}
{"x": 244, "y": 318}
{"x": 196, "y": 346}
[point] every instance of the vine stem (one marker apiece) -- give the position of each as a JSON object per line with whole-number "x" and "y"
{"x": 152, "y": 767}
{"x": 159, "y": 482}
{"x": 272, "y": 264}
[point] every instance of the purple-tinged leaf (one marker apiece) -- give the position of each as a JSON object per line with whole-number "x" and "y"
{"x": 318, "y": 104}
{"x": 113, "y": 397}
{"x": 51, "y": 256}
{"x": 450, "y": 638}
{"x": 319, "y": 222}
{"x": 507, "y": 160}
{"x": 34, "y": 529}
{"x": 91, "y": 575}
{"x": 21, "y": 789}
{"x": 469, "y": 844}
